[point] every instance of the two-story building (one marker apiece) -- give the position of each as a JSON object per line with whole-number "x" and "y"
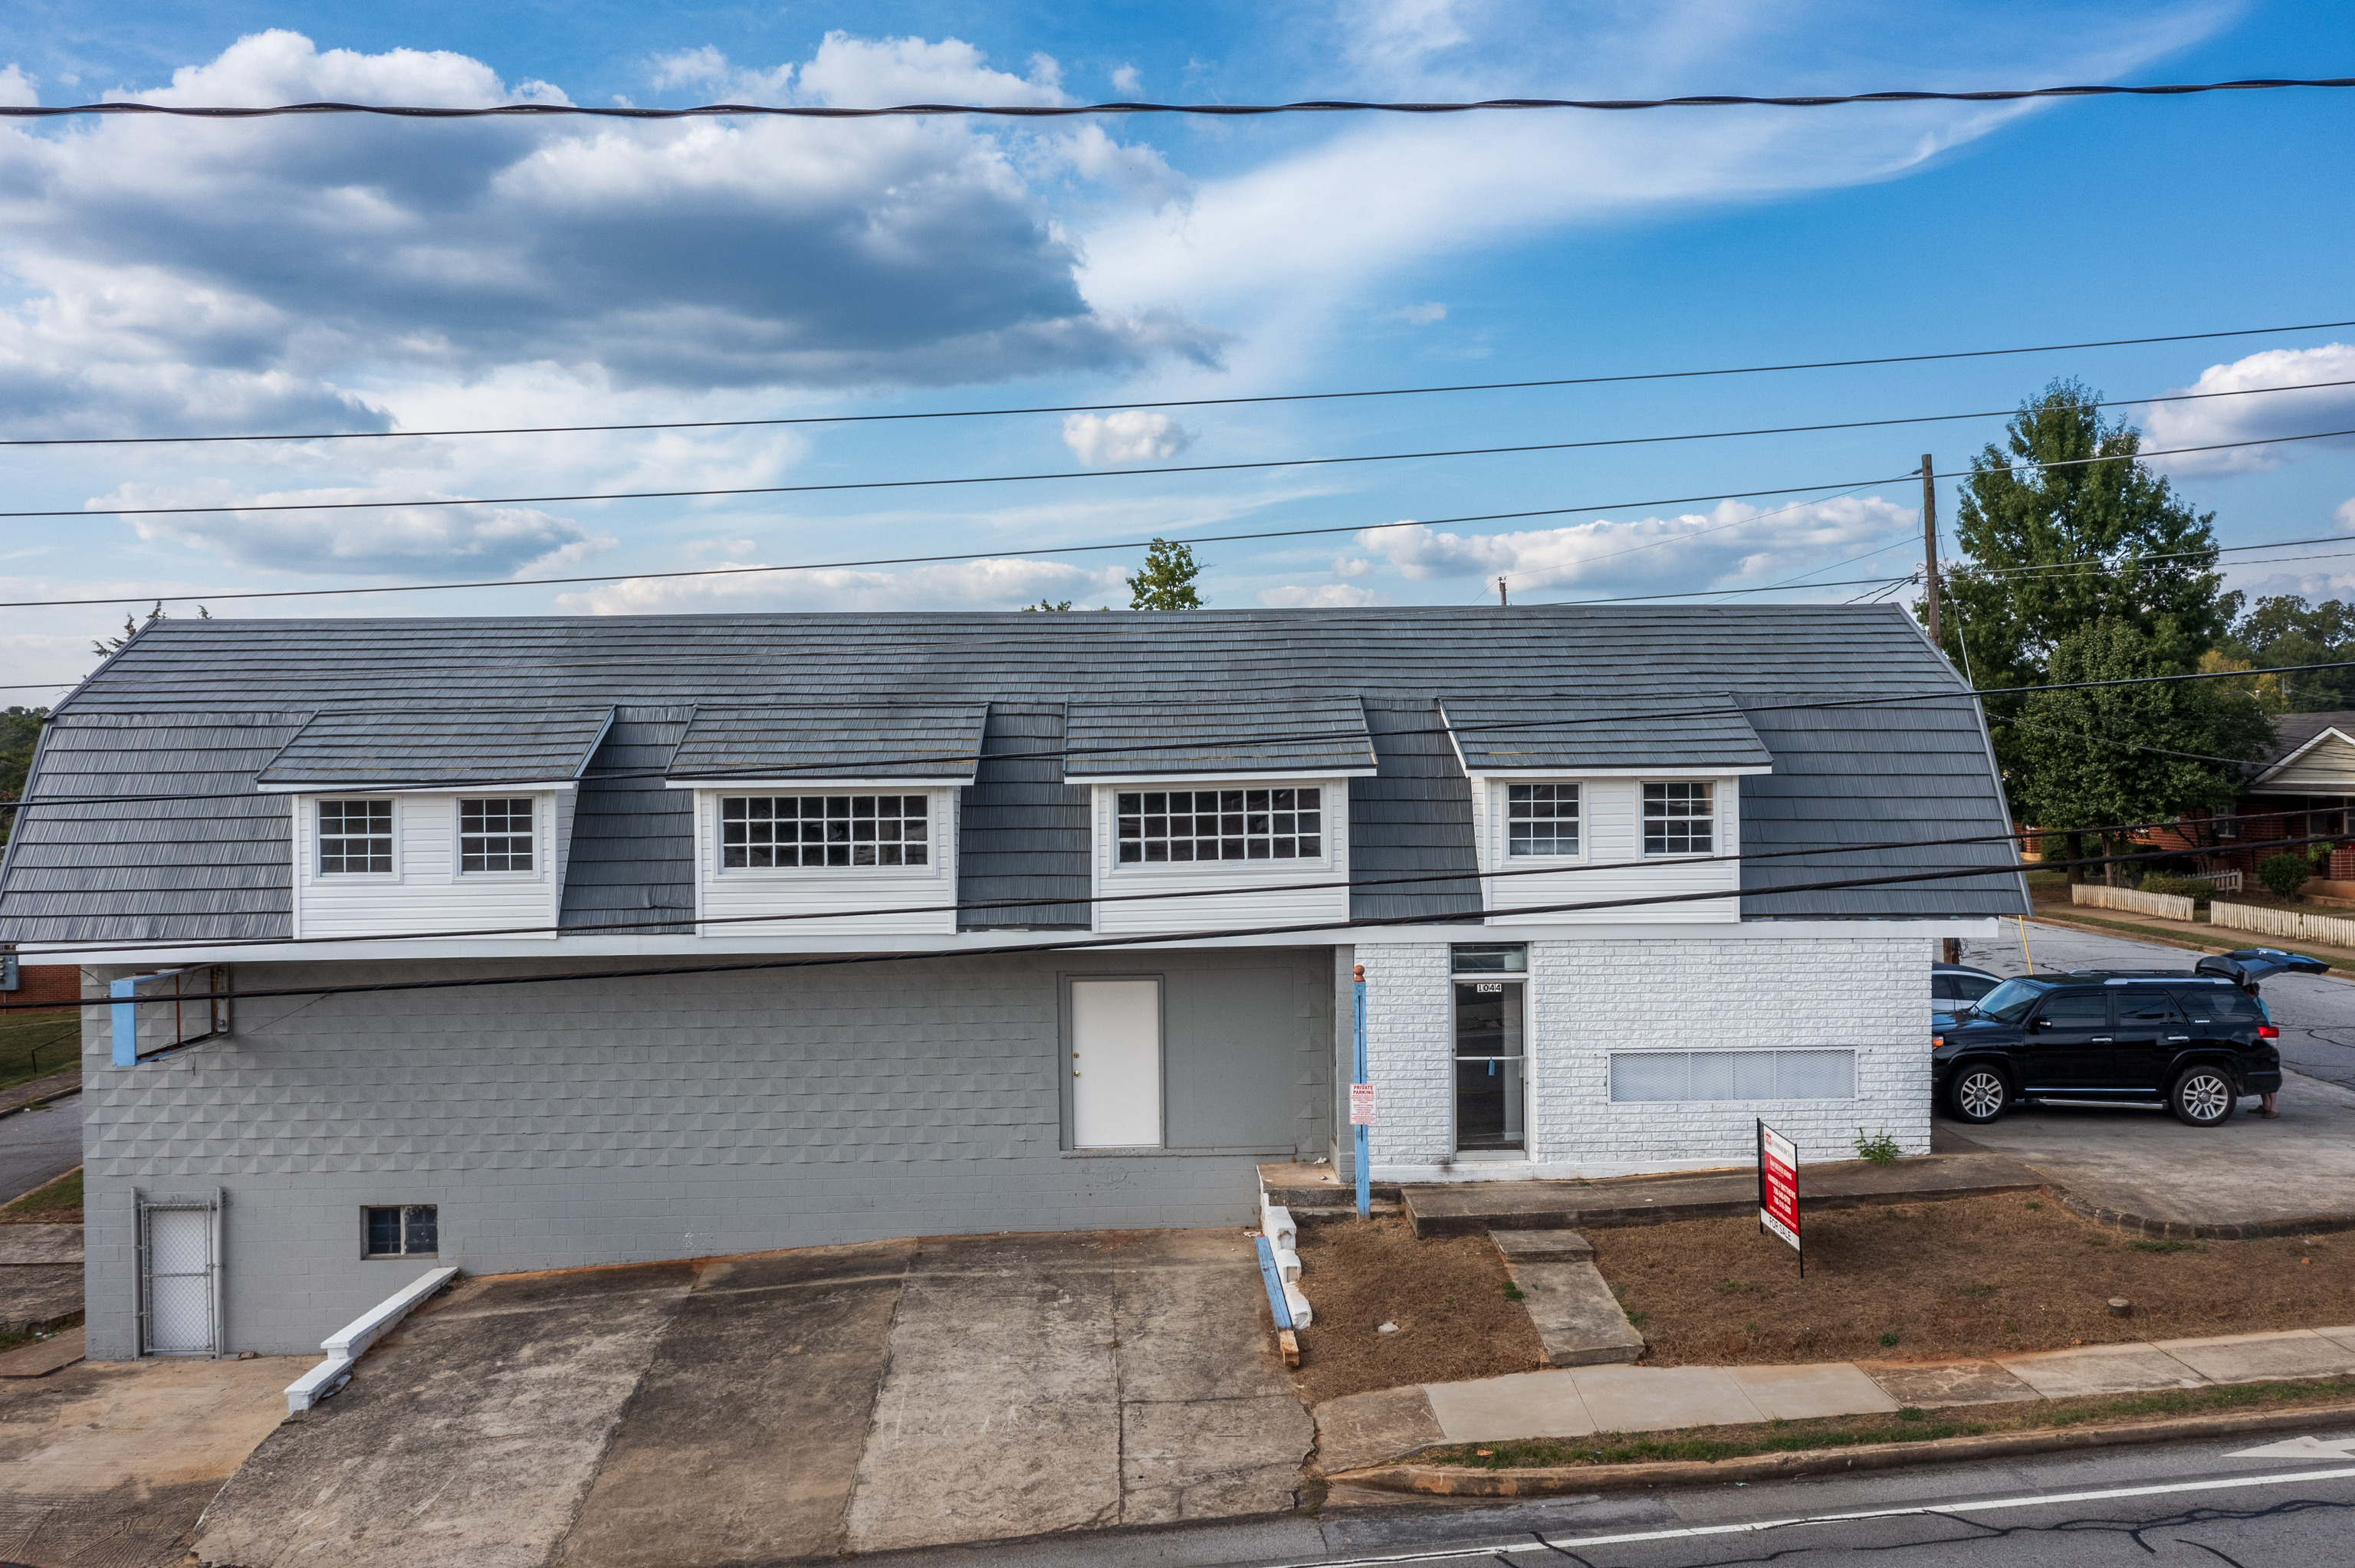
{"x": 521, "y": 944}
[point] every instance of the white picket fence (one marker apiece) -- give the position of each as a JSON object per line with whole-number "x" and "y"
{"x": 2220, "y": 881}
{"x": 2165, "y": 905}
{"x": 2295, "y": 924}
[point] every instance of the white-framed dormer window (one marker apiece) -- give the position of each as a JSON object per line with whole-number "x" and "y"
{"x": 1155, "y": 827}
{"x": 355, "y": 838}
{"x": 1541, "y": 821}
{"x": 760, "y": 833}
{"x": 495, "y": 835}
{"x": 1680, "y": 818}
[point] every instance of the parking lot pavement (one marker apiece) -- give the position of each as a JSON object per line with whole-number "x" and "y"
{"x": 39, "y": 1145}
{"x": 2144, "y": 1162}
{"x": 792, "y": 1406}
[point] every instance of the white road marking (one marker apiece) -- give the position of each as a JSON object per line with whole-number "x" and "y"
{"x": 1699, "y": 1532}
{"x": 2301, "y": 1448}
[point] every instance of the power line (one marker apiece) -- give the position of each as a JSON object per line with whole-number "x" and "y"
{"x": 775, "y": 770}
{"x": 1179, "y": 468}
{"x": 1217, "y": 111}
{"x": 218, "y": 596}
{"x": 1156, "y": 938}
{"x": 1174, "y": 402}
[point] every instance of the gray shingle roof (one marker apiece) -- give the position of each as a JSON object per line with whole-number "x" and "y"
{"x": 842, "y": 740}
{"x": 1223, "y": 737}
{"x": 385, "y": 750}
{"x": 202, "y": 707}
{"x": 1700, "y": 729}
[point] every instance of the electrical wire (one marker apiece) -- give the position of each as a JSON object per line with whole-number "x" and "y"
{"x": 817, "y": 770}
{"x": 1165, "y": 470}
{"x": 1378, "y": 922}
{"x": 1170, "y": 402}
{"x": 1216, "y": 111}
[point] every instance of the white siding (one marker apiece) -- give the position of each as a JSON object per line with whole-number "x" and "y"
{"x": 833, "y": 896}
{"x": 426, "y": 892}
{"x": 1611, "y": 829}
{"x": 2328, "y": 769}
{"x": 1248, "y": 908}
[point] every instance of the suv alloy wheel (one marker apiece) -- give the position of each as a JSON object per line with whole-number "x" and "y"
{"x": 1979, "y": 1094}
{"x": 2202, "y": 1096}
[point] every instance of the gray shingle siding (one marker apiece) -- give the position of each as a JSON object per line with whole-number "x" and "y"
{"x": 1222, "y": 738}
{"x": 892, "y": 740}
{"x": 201, "y": 706}
{"x": 387, "y": 750}
{"x": 633, "y": 840}
{"x": 1698, "y": 729}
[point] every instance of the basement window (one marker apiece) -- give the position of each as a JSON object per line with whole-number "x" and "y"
{"x": 404, "y": 1230}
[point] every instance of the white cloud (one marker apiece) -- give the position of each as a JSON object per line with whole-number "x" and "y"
{"x": 2219, "y": 419}
{"x": 880, "y": 72}
{"x": 1126, "y": 82}
{"x": 1130, "y": 436}
{"x": 1424, "y": 315}
{"x": 1734, "y": 544}
{"x": 1324, "y": 596}
{"x": 2346, "y": 513}
{"x": 997, "y": 584}
{"x": 1351, "y": 566}
{"x": 507, "y": 541}
{"x": 17, "y": 90}
{"x": 707, "y": 67}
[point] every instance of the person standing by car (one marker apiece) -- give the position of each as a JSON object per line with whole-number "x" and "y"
{"x": 2266, "y": 1106}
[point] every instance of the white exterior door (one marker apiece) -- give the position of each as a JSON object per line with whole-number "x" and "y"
{"x": 179, "y": 1283}
{"x": 1115, "y": 1063}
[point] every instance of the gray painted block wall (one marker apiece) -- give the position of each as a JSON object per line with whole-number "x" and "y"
{"x": 617, "y": 1120}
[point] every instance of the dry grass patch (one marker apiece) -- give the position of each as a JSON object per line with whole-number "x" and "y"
{"x": 1447, "y": 1296}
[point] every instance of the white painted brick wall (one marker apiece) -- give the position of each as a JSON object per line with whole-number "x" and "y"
{"x": 1588, "y": 999}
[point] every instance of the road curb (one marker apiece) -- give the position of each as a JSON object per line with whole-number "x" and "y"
{"x": 2186, "y": 1230}
{"x": 1456, "y": 1481}
{"x": 50, "y": 1099}
{"x": 2127, "y": 931}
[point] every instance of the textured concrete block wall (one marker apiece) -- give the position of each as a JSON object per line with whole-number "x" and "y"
{"x": 1588, "y": 999}
{"x": 609, "y": 1121}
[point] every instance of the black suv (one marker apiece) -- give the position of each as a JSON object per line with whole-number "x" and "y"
{"x": 2196, "y": 1042}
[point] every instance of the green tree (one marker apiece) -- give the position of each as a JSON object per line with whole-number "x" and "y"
{"x": 2284, "y": 629}
{"x": 1048, "y": 606}
{"x": 2100, "y": 756}
{"x": 2098, "y": 529}
{"x": 20, "y": 729}
{"x": 1167, "y": 580}
{"x": 107, "y": 646}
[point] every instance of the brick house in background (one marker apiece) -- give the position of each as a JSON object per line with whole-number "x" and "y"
{"x": 46, "y": 985}
{"x": 892, "y": 925}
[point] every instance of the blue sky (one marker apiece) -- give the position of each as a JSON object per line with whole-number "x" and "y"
{"x": 308, "y": 274}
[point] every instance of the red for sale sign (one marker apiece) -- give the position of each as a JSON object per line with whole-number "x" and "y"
{"x": 1778, "y": 1184}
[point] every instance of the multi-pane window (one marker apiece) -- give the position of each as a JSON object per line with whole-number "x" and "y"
{"x": 355, "y": 838}
{"x": 1679, "y": 818}
{"x": 1541, "y": 819}
{"x": 764, "y": 830}
{"x": 1160, "y": 825}
{"x": 495, "y": 835}
{"x": 407, "y": 1230}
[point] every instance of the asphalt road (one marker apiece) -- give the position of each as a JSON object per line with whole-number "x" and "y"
{"x": 2317, "y": 1012}
{"x": 39, "y": 1145}
{"x": 2184, "y": 1503}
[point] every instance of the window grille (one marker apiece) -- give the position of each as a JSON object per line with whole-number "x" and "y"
{"x": 1679, "y": 818}
{"x": 1541, "y": 819}
{"x": 405, "y": 1230}
{"x": 495, "y": 835}
{"x": 768, "y": 830}
{"x": 1159, "y": 826}
{"x": 1653, "y": 1077}
{"x": 355, "y": 838}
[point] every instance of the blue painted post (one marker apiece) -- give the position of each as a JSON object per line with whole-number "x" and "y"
{"x": 1357, "y": 1067}
{"x": 124, "y": 1016}
{"x": 1275, "y": 1283}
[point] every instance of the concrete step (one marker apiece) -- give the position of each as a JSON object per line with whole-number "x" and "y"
{"x": 1541, "y": 1246}
{"x": 1577, "y": 1319}
{"x": 1298, "y": 1186}
{"x": 1469, "y": 1208}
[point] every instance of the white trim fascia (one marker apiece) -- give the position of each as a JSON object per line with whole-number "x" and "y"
{"x": 1577, "y": 775}
{"x": 589, "y": 752}
{"x": 814, "y": 784}
{"x": 1198, "y": 780}
{"x": 2327, "y": 732}
{"x": 366, "y": 791}
{"x": 746, "y": 942}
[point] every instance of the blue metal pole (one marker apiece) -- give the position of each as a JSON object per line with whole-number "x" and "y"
{"x": 1365, "y": 1175}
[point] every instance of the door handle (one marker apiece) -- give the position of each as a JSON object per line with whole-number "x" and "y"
{"x": 2100, "y": 1040}
{"x": 2179, "y": 1040}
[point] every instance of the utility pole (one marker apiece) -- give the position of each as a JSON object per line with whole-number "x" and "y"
{"x": 1502, "y": 597}
{"x": 1929, "y": 544}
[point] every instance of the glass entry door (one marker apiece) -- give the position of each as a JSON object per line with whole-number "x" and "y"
{"x": 1490, "y": 1057}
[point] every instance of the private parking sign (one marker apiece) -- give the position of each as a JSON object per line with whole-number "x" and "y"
{"x": 1778, "y": 1189}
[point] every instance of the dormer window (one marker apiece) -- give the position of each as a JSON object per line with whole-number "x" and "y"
{"x": 495, "y": 835}
{"x": 1162, "y": 826}
{"x": 1540, "y": 820}
{"x": 769, "y": 832}
{"x": 355, "y": 838}
{"x": 1679, "y": 818}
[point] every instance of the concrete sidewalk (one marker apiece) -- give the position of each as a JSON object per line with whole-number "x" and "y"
{"x": 1366, "y": 1429}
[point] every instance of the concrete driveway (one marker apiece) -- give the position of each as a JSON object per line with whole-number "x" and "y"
{"x": 2146, "y": 1163}
{"x": 804, "y": 1404}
